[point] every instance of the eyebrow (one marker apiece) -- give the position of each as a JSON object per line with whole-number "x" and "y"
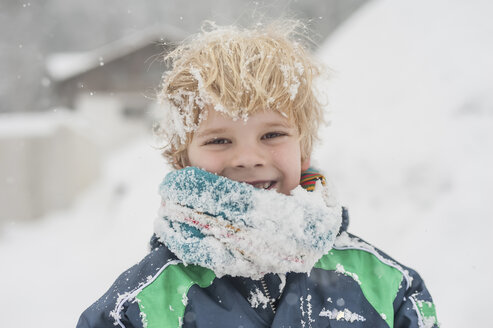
{"x": 277, "y": 124}
{"x": 212, "y": 131}
{"x": 208, "y": 132}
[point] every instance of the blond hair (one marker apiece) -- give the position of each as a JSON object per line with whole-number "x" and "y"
{"x": 238, "y": 72}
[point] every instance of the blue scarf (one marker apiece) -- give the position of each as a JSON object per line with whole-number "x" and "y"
{"x": 236, "y": 229}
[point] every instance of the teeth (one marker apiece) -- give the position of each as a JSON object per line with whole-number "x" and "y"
{"x": 263, "y": 185}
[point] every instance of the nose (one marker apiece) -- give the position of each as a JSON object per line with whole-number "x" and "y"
{"x": 248, "y": 156}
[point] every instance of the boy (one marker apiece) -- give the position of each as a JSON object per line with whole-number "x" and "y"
{"x": 247, "y": 234}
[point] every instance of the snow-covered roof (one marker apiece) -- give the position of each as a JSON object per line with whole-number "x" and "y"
{"x": 63, "y": 66}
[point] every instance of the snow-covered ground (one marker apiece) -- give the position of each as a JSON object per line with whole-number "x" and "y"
{"x": 409, "y": 150}
{"x": 411, "y": 143}
{"x": 55, "y": 267}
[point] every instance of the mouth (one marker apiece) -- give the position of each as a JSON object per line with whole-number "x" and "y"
{"x": 267, "y": 185}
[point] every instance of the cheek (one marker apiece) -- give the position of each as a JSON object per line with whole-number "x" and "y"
{"x": 195, "y": 156}
{"x": 290, "y": 153}
{"x": 288, "y": 158}
{"x": 205, "y": 160}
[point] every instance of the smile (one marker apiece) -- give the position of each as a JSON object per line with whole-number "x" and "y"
{"x": 262, "y": 184}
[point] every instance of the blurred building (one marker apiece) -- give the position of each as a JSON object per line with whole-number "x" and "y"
{"x": 100, "y": 98}
{"x": 46, "y": 160}
{"x": 127, "y": 71}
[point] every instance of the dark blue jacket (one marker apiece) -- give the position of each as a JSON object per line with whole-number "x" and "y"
{"x": 354, "y": 285}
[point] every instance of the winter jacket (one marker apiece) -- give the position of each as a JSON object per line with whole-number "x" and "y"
{"x": 353, "y": 285}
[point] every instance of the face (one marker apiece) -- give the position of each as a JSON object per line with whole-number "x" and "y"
{"x": 264, "y": 151}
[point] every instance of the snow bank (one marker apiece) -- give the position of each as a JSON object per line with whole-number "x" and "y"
{"x": 409, "y": 146}
{"x": 55, "y": 267}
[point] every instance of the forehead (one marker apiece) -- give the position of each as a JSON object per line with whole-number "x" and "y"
{"x": 268, "y": 118}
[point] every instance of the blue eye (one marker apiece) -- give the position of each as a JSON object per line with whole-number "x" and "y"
{"x": 272, "y": 135}
{"x": 217, "y": 141}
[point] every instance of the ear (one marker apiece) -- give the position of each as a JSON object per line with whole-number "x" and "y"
{"x": 305, "y": 164}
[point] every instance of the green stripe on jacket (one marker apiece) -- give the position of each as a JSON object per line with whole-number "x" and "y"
{"x": 162, "y": 303}
{"x": 378, "y": 281}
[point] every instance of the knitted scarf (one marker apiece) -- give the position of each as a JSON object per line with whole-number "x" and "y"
{"x": 236, "y": 229}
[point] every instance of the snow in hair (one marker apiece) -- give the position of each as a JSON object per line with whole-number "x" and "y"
{"x": 237, "y": 72}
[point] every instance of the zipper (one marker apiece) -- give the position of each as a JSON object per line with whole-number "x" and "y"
{"x": 266, "y": 291}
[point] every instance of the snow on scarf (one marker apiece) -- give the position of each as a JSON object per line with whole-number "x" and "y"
{"x": 236, "y": 229}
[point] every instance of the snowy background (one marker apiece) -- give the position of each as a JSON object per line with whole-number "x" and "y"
{"x": 411, "y": 142}
{"x": 409, "y": 150}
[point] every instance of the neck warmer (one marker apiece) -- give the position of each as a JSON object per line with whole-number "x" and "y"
{"x": 236, "y": 229}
